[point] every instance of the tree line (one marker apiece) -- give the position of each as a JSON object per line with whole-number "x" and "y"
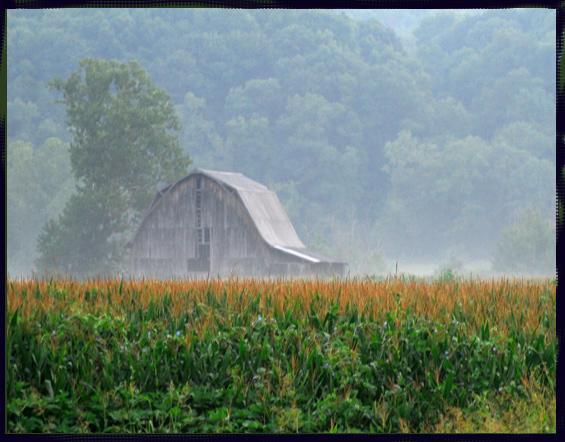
{"x": 373, "y": 150}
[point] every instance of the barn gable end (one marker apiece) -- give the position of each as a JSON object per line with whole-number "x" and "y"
{"x": 211, "y": 223}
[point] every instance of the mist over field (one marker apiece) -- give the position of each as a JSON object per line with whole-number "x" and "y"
{"x": 412, "y": 141}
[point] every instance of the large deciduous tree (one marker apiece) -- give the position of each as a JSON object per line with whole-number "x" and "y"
{"x": 124, "y": 145}
{"x": 527, "y": 246}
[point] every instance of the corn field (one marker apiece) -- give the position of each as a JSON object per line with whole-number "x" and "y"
{"x": 243, "y": 355}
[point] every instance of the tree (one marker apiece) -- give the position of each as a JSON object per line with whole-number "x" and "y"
{"x": 257, "y": 98}
{"x": 515, "y": 97}
{"x": 249, "y": 138}
{"x": 319, "y": 155}
{"x": 39, "y": 184}
{"x": 527, "y": 246}
{"x": 528, "y": 137}
{"x": 199, "y": 135}
{"x": 123, "y": 146}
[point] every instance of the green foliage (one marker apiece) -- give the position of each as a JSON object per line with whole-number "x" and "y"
{"x": 463, "y": 53}
{"x": 450, "y": 270}
{"x": 70, "y": 371}
{"x": 526, "y": 99}
{"x": 123, "y": 147}
{"x": 450, "y": 184}
{"x": 85, "y": 239}
{"x": 527, "y": 246}
{"x": 36, "y": 195}
{"x": 199, "y": 136}
{"x": 528, "y": 137}
{"x": 447, "y": 276}
{"x": 119, "y": 118}
{"x": 307, "y": 99}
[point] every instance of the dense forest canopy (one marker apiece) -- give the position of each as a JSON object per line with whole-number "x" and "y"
{"x": 417, "y": 142}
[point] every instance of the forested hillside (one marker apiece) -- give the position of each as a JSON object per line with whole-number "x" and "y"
{"x": 373, "y": 149}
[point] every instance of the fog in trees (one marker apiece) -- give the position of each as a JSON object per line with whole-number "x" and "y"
{"x": 396, "y": 140}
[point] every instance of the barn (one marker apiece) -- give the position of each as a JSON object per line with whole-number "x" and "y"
{"x": 212, "y": 223}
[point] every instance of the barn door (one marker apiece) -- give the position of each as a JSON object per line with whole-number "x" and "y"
{"x": 202, "y": 261}
{"x": 203, "y": 252}
{"x": 204, "y": 256}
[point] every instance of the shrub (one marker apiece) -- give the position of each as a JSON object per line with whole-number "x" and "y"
{"x": 527, "y": 246}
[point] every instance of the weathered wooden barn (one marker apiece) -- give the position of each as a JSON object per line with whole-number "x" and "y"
{"x": 220, "y": 224}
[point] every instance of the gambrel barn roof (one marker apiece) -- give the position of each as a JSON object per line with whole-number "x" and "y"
{"x": 264, "y": 208}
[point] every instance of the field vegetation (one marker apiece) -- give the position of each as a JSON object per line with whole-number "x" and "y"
{"x": 235, "y": 356}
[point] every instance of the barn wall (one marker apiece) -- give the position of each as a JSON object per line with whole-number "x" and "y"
{"x": 168, "y": 238}
{"x": 236, "y": 246}
{"x": 168, "y": 243}
{"x": 165, "y": 239}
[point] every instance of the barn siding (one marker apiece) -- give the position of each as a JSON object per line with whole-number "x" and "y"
{"x": 168, "y": 237}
